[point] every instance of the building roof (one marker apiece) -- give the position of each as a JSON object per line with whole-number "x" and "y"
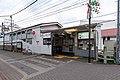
{"x": 44, "y": 25}
{"x": 109, "y": 32}
{"x": 79, "y": 28}
{"x": 49, "y": 24}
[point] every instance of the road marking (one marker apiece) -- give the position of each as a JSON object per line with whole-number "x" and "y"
{"x": 22, "y": 58}
{"x": 17, "y": 69}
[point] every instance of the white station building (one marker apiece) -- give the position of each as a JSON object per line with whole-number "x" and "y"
{"x": 52, "y": 39}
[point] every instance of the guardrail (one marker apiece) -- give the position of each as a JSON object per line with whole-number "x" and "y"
{"x": 106, "y": 55}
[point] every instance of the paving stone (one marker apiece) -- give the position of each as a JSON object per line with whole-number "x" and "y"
{"x": 2, "y": 76}
{"x": 75, "y": 70}
{"x": 10, "y": 72}
{"x": 24, "y": 68}
{"x": 4, "y": 57}
{"x": 49, "y": 61}
{"x": 37, "y": 63}
{"x": 22, "y": 58}
{"x": 81, "y": 71}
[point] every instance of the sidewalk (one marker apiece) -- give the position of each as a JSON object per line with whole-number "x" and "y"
{"x": 8, "y": 72}
{"x": 81, "y": 71}
{"x": 16, "y": 66}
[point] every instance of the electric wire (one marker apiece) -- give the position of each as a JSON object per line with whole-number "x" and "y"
{"x": 92, "y": 17}
{"x": 42, "y": 4}
{"x": 46, "y": 9}
{"x": 66, "y": 7}
{"x": 42, "y": 8}
{"x": 19, "y": 10}
{"x": 15, "y": 5}
{"x": 76, "y": 20}
{"x": 55, "y": 12}
{"x": 24, "y": 8}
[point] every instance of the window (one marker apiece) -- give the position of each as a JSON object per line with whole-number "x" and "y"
{"x": 104, "y": 39}
{"x": 108, "y": 38}
{"x": 46, "y": 41}
{"x": 29, "y": 41}
{"x": 83, "y": 40}
{"x": 85, "y": 35}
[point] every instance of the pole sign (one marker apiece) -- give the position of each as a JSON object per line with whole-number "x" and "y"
{"x": 118, "y": 34}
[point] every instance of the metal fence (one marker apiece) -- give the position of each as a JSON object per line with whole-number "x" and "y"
{"x": 16, "y": 46}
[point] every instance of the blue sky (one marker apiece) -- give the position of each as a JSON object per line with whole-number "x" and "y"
{"x": 28, "y": 17}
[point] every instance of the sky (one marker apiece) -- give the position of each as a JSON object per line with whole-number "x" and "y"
{"x": 47, "y": 11}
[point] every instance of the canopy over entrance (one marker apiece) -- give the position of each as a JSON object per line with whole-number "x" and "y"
{"x": 72, "y": 29}
{"x": 68, "y": 41}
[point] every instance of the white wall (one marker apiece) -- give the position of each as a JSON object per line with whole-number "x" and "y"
{"x": 1, "y": 41}
{"x": 7, "y": 38}
{"x": 39, "y": 47}
{"x": 46, "y": 49}
{"x": 108, "y": 25}
{"x": 36, "y": 48}
{"x": 50, "y": 28}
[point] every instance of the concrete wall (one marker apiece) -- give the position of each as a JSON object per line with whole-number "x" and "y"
{"x": 49, "y": 28}
{"x": 37, "y": 40}
{"x": 108, "y": 25}
{"x": 83, "y": 53}
{"x": 39, "y": 47}
{"x": 7, "y": 38}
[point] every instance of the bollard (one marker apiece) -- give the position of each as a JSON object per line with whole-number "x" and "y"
{"x": 105, "y": 55}
{"x": 96, "y": 54}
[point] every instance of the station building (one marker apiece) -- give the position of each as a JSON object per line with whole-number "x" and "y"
{"x": 52, "y": 39}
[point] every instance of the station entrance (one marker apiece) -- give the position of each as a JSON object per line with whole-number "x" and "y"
{"x": 74, "y": 41}
{"x": 63, "y": 45}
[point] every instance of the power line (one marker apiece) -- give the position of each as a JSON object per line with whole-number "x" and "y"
{"x": 42, "y": 4}
{"x": 25, "y": 8}
{"x": 19, "y": 10}
{"x": 56, "y": 11}
{"x": 92, "y": 17}
{"x": 59, "y": 10}
{"x": 5, "y": 16}
{"x": 9, "y": 14}
{"x": 15, "y": 5}
{"x": 46, "y": 9}
{"x": 84, "y": 19}
{"x": 78, "y": 20}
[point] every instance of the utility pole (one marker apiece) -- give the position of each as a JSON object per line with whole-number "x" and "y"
{"x": 118, "y": 34}
{"x": 89, "y": 18}
{"x": 11, "y": 33}
{"x": 3, "y": 33}
{"x": 11, "y": 20}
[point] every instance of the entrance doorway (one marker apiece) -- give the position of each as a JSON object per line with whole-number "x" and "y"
{"x": 62, "y": 45}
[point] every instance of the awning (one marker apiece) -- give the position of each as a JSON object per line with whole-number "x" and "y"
{"x": 74, "y": 28}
